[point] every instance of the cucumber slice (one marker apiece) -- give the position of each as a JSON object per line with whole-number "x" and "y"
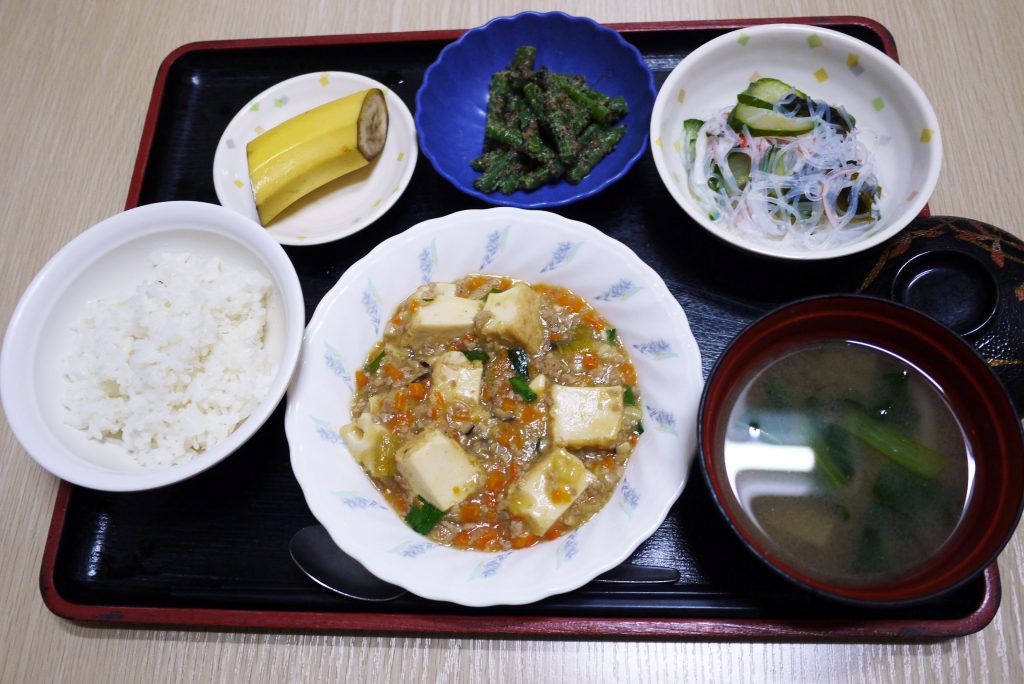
{"x": 764, "y": 93}
{"x": 765, "y": 122}
{"x": 690, "y": 129}
{"x": 739, "y": 164}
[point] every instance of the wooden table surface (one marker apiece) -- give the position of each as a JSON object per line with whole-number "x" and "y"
{"x": 76, "y": 78}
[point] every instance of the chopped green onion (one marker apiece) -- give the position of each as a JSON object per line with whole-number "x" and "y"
{"x": 520, "y": 361}
{"x": 613, "y": 335}
{"x": 476, "y": 355}
{"x": 639, "y": 428}
{"x": 372, "y": 367}
{"x": 628, "y": 397}
{"x": 522, "y": 389}
{"x": 423, "y": 515}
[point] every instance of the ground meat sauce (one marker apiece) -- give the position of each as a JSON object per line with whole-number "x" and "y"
{"x": 503, "y": 432}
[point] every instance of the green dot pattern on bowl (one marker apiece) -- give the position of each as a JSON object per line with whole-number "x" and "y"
{"x": 814, "y": 41}
{"x": 878, "y": 103}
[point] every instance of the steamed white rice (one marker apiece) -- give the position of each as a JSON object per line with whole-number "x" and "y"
{"x": 173, "y": 368}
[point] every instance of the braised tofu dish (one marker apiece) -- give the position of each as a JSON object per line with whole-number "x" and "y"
{"x": 495, "y": 414}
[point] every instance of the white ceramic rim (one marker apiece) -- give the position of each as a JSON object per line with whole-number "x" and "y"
{"x": 75, "y": 258}
{"x": 325, "y": 508}
{"x": 911, "y": 209}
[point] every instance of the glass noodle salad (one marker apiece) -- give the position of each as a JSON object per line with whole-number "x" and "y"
{"x": 783, "y": 168}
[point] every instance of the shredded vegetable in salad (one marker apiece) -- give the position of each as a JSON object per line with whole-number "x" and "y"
{"x": 783, "y": 168}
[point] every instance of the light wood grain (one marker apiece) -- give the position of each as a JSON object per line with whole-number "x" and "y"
{"x": 75, "y": 81}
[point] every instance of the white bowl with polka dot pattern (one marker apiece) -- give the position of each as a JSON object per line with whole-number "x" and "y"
{"x": 892, "y": 113}
{"x": 343, "y": 206}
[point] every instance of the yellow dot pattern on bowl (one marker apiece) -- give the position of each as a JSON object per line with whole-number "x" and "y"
{"x": 324, "y": 80}
{"x": 821, "y": 75}
{"x": 814, "y": 41}
{"x": 878, "y": 103}
{"x": 377, "y": 203}
{"x": 926, "y": 135}
{"x": 677, "y": 146}
{"x": 254, "y": 107}
{"x": 397, "y": 188}
{"x": 743, "y": 39}
{"x": 657, "y": 141}
{"x": 681, "y": 96}
{"x": 852, "y": 59}
{"x": 280, "y": 101}
{"x": 239, "y": 184}
{"x": 401, "y": 156}
{"x": 258, "y": 130}
{"x": 911, "y": 196}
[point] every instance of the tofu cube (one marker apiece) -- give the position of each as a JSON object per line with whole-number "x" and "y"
{"x": 437, "y": 468}
{"x": 457, "y": 378}
{"x": 434, "y": 290}
{"x": 515, "y": 317}
{"x": 585, "y": 416}
{"x": 363, "y": 439}
{"x": 547, "y": 489}
{"x": 445, "y": 316}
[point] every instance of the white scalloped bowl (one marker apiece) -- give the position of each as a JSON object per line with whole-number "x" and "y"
{"x": 888, "y": 105}
{"x": 537, "y": 247}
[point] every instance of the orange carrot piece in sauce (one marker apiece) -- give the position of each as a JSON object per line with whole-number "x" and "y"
{"x": 392, "y": 371}
{"x": 590, "y": 361}
{"x": 524, "y": 541}
{"x": 362, "y": 380}
{"x": 628, "y": 373}
{"x": 470, "y": 512}
{"x": 593, "y": 320}
{"x": 418, "y": 390}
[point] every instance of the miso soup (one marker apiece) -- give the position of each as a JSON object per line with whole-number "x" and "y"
{"x": 847, "y": 462}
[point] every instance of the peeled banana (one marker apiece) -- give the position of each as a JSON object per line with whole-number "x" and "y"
{"x": 296, "y": 157}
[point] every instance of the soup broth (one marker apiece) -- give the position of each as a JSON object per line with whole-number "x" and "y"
{"x": 847, "y": 462}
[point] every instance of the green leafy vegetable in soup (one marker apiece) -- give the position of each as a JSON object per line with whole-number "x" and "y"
{"x": 847, "y": 463}
{"x": 494, "y": 414}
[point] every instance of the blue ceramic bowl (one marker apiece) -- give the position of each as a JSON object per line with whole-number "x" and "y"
{"x": 451, "y": 105}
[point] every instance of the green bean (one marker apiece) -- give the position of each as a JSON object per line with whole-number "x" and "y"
{"x": 489, "y": 181}
{"x": 595, "y": 152}
{"x": 486, "y": 160}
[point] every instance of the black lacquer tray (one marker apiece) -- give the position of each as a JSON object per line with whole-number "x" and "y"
{"x": 214, "y": 550}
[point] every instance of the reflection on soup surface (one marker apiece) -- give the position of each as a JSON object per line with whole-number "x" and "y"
{"x": 847, "y": 463}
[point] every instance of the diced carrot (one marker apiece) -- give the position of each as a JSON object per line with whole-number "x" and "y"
{"x": 418, "y": 390}
{"x": 608, "y": 462}
{"x": 475, "y": 282}
{"x": 530, "y": 414}
{"x": 362, "y": 379}
{"x": 398, "y": 421}
{"x": 392, "y": 371}
{"x": 434, "y": 413}
{"x": 633, "y": 438}
{"x": 414, "y": 305}
{"x": 492, "y": 516}
{"x": 559, "y": 496}
{"x": 460, "y": 414}
{"x": 593, "y": 320}
{"x": 556, "y": 531}
{"x": 505, "y": 283}
{"x": 470, "y": 512}
{"x": 397, "y": 318}
{"x": 524, "y": 541}
{"x": 590, "y": 361}
{"x": 554, "y": 337}
{"x": 508, "y": 405}
{"x": 628, "y": 373}
{"x": 439, "y": 400}
{"x": 461, "y": 540}
{"x": 401, "y": 400}
{"x": 513, "y": 471}
{"x": 508, "y": 435}
{"x": 570, "y": 302}
{"x": 485, "y": 540}
{"x": 495, "y": 481}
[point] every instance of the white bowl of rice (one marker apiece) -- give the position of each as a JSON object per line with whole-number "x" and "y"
{"x": 792, "y": 206}
{"x": 151, "y": 346}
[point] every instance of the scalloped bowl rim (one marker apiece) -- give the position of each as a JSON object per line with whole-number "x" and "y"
{"x": 670, "y": 455}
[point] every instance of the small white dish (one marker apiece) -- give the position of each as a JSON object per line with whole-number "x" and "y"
{"x": 538, "y": 247}
{"x": 109, "y": 260}
{"x": 340, "y": 208}
{"x": 827, "y": 65}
